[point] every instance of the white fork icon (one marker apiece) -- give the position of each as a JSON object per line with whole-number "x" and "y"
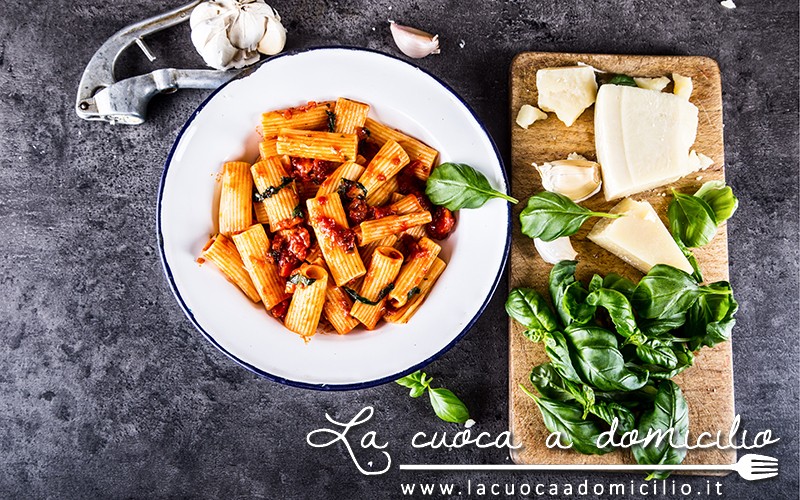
{"x": 750, "y": 467}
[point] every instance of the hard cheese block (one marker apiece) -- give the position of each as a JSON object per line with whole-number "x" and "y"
{"x": 639, "y": 237}
{"x": 642, "y": 138}
{"x": 566, "y": 91}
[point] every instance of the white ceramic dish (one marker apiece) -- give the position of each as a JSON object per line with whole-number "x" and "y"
{"x": 223, "y": 129}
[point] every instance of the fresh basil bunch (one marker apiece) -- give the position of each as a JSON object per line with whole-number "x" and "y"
{"x": 613, "y": 347}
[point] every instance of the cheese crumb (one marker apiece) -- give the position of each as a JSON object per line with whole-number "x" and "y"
{"x": 728, "y": 4}
{"x": 528, "y": 115}
{"x": 652, "y": 83}
{"x": 469, "y": 423}
{"x": 683, "y": 86}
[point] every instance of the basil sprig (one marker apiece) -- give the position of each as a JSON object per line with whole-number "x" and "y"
{"x": 272, "y": 190}
{"x": 693, "y": 219}
{"x": 445, "y": 404}
{"x": 359, "y": 298}
{"x": 456, "y": 186}
{"x": 331, "y": 120}
{"x": 549, "y": 216}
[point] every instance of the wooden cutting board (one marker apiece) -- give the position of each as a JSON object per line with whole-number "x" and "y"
{"x": 708, "y": 385}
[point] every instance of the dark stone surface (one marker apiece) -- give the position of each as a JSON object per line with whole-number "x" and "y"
{"x": 108, "y": 391}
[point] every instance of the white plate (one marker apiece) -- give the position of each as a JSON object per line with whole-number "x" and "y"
{"x": 223, "y": 129}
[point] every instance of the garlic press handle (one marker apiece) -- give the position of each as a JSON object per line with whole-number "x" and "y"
{"x": 102, "y": 97}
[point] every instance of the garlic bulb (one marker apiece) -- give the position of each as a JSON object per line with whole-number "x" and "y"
{"x": 576, "y": 178}
{"x": 413, "y": 42}
{"x": 231, "y": 33}
{"x": 555, "y": 251}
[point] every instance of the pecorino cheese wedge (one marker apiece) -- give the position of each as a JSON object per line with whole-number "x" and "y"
{"x": 643, "y": 138}
{"x": 639, "y": 238}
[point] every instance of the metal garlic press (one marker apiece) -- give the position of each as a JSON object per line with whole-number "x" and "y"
{"x": 101, "y": 97}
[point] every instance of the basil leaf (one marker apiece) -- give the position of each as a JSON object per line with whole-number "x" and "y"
{"x": 659, "y": 328}
{"x": 574, "y": 306}
{"x": 549, "y": 383}
{"x": 598, "y": 360}
{"x": 456, "y": 186}
{"x": 528, "y": 308}
{"x": 447, "y": 406}
{"x": 622, "y": 80}
{"x": 355, "y": 296}
{"x": 618, "y": 307}
{"x": 272, "y": 190}
{"x": 720, "y": 198}
{"x": 298, "y": 210}
{"x": 299, "y": 279}
{"x": 619, "y": 283}
{"x": 669, "y": 412}
{"x": 691, "y": 220}
{"x": 417, "y": 382}
{"x": 608, "y": 411}
{"x": 412, "y": 292}
{"x": 549, "y": 216}
{"x": 665, "y": 292}
{"x": 566, "y": 418}
{"x": 331, "y": 120}
{"x": 657, "y": 353}
{"x": 557, "y": 349}
{"x": 561, "y": 276}
{"x": 710, "y": 320}
{"x": 595, "y": 283}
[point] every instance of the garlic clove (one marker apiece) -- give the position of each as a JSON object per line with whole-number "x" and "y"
{"x": 413, "y": 42}
{"x": 275, "y": 38}
{"x": 204, "y": 12}
{"x": 577, "y": 179}
{"x": 247, "y": 30}
{"x": 555, "y": 251}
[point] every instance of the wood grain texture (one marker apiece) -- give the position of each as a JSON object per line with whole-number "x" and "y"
{"x": 708, "y": 385}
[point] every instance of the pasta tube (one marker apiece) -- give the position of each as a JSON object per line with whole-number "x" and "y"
{"x": 337, "y": 309}
{"x": 268, "y": 148}
{"x": 424, "y": 155}
{"x": 326, "y": 215}
{"x": 386, "y": 163}
{"x": 222, "y": 252}
{"x": 350, "y": 115}
{"x": 414, "y": 270}
{"x": 386, "y": 263}
{"x": 305, "y": 307}
{"x": 403, "y": 314}
{"x": 253, "y": 245}
{"x": 277, "y": 190}
{"x": 312, "y": 116}
{"x": 347, "y": 170}
{"x": 328, "y": 146}
{"x": 236, "y": 198}
{"x": 373, "y": 230}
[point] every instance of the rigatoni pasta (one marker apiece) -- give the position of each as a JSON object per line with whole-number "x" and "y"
{"x": 368, "y": 307}
{"x": 235, "y": 199}
{"x": 253, "y": 244}
{"x": 330, "y": 146}
{"x": 276, "y": 191}
{"x": 328, "y": 228}
{"x": 350, "y": 116}
{"x": 305, "y": 308}
{"x": 222, "y": 252}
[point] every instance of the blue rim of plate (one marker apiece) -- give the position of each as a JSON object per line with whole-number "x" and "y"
{"x": 295, "y": 383}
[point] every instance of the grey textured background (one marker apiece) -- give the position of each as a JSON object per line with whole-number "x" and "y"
{"x": 106, "y": 390}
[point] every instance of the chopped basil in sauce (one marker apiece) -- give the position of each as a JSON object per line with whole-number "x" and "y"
{"x": 355, "y": 296}
{"x": 272, "y": 190}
